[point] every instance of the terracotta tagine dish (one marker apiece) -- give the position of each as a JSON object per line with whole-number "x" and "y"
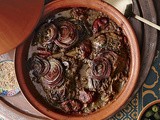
{"x": 81, "y": 62}
{"x": 18, "y": 20}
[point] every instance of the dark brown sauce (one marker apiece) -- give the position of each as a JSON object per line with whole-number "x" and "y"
{"x": 79, "y": 60}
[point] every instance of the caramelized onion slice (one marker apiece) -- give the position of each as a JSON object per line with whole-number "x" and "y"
{"x": 101, "y": 68}
{"x": 47, "y": 33}
{"x": 118, "y": 62}
{"x": 42, "y": 52}
{"x": 55, "y": 75}
{"x": 68, "y": 34}
{"x": 39, "y": 65}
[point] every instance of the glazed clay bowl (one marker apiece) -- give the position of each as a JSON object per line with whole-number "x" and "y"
{"x": 39, "y": 103}
{"x": 145, "y": 109}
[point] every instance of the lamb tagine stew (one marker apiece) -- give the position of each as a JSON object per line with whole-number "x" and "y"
{"x": 79, "y": 60}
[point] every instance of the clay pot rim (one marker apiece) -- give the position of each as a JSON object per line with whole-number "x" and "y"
{"x": 123, "y": 97}
{"x": 146, "y": 107}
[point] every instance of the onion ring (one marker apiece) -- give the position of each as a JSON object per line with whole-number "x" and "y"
{"x": 55, "y": 75}
{"x": 68, "y": 34}
{"x": 101, "y": 68}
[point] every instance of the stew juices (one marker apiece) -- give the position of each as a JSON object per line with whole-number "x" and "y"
{"x": 79, "y": 60}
